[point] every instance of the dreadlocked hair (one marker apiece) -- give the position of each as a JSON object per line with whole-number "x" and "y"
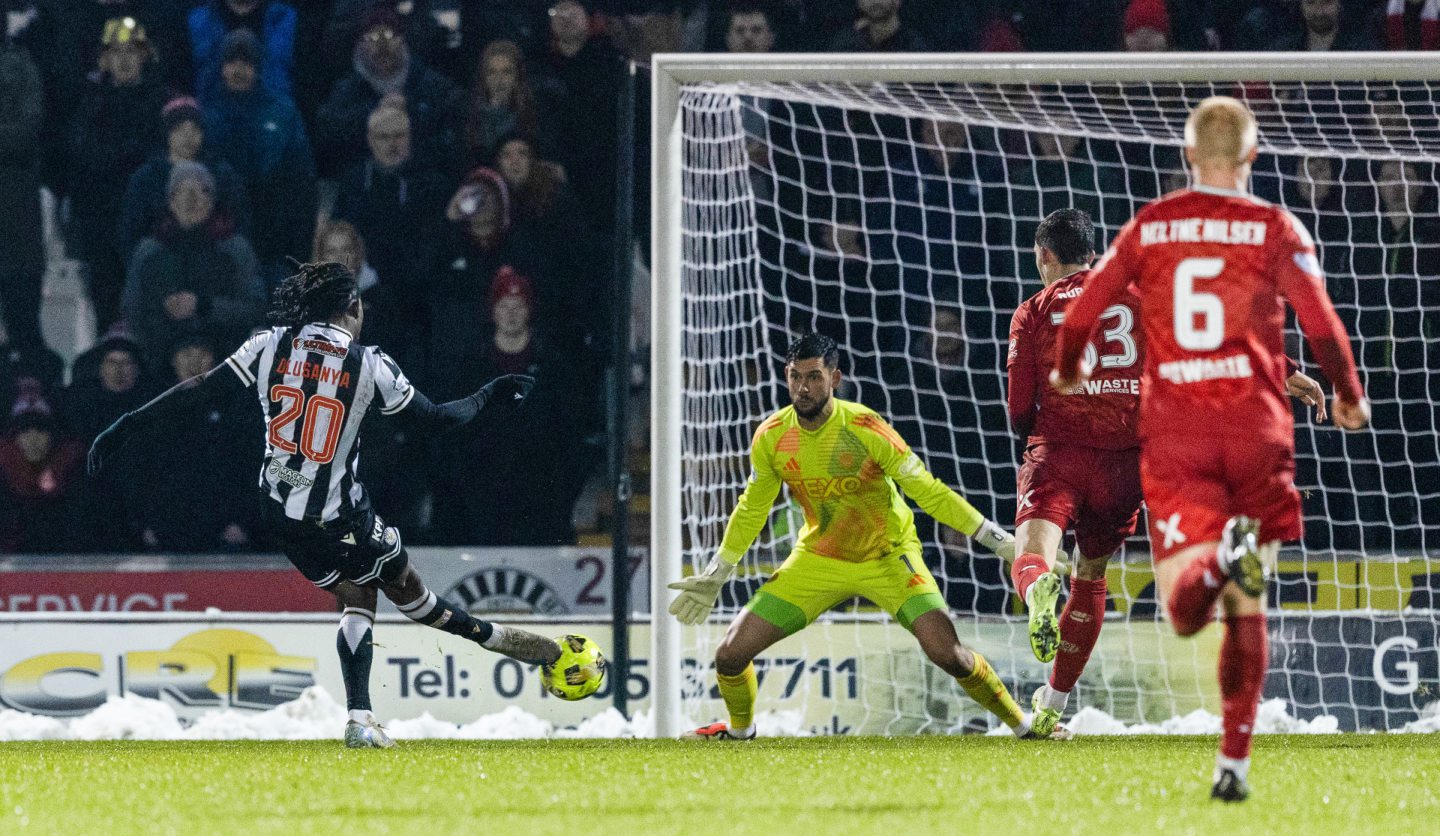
{"x": 316, "y": 292}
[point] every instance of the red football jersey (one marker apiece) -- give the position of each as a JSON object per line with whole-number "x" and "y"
{"x": 1210, "y": 267}
{"x": 1103, "y": 412}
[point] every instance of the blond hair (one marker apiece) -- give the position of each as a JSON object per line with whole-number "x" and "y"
{"x": 1222, "y": 130}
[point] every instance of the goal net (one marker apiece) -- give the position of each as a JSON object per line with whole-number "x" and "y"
{"x": 892, "y": 205}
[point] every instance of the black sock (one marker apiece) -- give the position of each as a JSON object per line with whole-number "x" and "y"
{"x": 433, "y": 611}
{"x": 355, "y": 670}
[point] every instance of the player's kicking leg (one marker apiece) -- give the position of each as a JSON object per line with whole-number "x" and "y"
{"x": 749, "y": 635}
{"x": 1080, "y": 625}
{"x": 419, "y": 604}
{"x": 1037, "y": 542}
{"x": 355, "y": 646}
{"x": 1234, "y": 572}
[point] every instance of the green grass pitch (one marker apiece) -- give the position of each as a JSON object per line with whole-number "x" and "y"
{"x": 959, "y": 785}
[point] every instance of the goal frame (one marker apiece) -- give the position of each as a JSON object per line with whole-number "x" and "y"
{"x": 669, "y": 72}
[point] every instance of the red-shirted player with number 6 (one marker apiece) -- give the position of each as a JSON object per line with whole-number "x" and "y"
{"x": 1210, "y": 265}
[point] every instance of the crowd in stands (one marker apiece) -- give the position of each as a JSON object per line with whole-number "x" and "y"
{"x": 459, "y": 155}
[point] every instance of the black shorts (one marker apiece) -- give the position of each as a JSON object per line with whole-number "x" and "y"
{"x": 363, "y": 550}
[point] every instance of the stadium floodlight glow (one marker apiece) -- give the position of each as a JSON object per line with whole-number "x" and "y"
{"x": 890, "y": 199}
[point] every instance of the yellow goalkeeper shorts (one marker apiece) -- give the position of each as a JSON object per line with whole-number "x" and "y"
{"x": 807, "y": 585}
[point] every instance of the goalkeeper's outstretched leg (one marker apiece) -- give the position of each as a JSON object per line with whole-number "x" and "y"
{"x": 937, "y": 638}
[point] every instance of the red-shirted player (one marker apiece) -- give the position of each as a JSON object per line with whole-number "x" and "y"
{"x": 1211, "y": 265}
{"x": 1082, "y": 456}
{"x": 1081, "y": 467}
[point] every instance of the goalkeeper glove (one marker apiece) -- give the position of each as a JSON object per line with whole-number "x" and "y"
{"x": 697, "y": 595}
{"x": 996, "y": 539}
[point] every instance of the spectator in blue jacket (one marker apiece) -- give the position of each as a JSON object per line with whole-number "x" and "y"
{"x": 261, "y": 135}
{"x": 273, "y": 25}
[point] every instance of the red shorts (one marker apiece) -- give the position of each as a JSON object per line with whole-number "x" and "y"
{"x": 1097, "y": 492}
{"x": 1193, "y": 486}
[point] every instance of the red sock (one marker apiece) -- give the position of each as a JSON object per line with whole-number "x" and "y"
{"x": 1079, "y": 629}
{"x": 1244, "y": 657}
{"x": 1024, "y": 571}
{"x": 1192, "y": 601}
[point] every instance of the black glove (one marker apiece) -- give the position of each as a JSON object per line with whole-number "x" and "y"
{"x": 105, "y": 445}
{"x": 507, "y": 389}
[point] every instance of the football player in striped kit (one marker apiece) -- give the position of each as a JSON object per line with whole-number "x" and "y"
{"x": 316, "y": 383}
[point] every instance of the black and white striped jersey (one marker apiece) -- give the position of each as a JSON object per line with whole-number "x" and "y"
{"x": 315, "y": 386}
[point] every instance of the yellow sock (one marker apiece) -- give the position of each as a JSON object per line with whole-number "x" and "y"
{"x": 985, "y": 687}
{"x": 739, "y": 694}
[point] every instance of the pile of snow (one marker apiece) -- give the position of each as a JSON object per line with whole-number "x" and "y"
{"x": 1272, "y": 718}
{"x": 316, "y": 715}
{"x": 1429, "y": 721}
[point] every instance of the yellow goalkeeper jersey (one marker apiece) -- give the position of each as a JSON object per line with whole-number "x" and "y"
{"x": 844, "y": 475}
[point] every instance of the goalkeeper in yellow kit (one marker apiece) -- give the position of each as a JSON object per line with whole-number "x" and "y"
{"x": 842, "y": 463}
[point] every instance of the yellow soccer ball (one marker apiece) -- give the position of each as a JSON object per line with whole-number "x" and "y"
{"x": 578, "y": 672}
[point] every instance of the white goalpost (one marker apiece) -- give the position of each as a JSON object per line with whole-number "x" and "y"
{"x": 890, "y": 202}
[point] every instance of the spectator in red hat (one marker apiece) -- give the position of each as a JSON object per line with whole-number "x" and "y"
{"x": 38, "y": 469}
{"x": 481, "y": 206}
{"x": 998, "y": 34}
{"x": 516, "y": 482}
{"x": 145, "y": 205}
{"x": 512, "y": 300}
{"x": 1147, "y": 26}
{"x": 537, "y": 230}
{"x": 482, "y": 237}
{"x": 385, "y": 72}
